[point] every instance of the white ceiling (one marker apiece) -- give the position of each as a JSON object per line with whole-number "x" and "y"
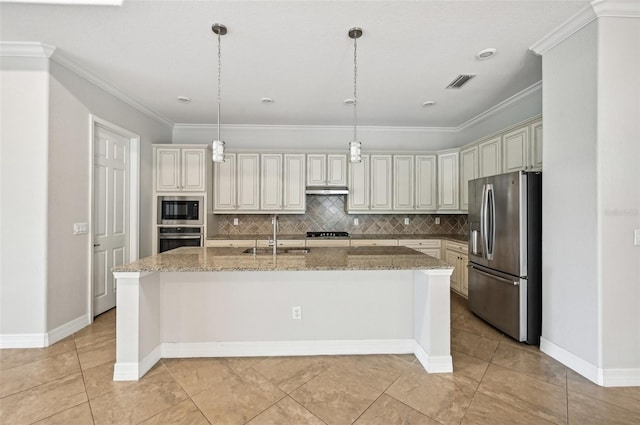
{"x": 299, "y": 54}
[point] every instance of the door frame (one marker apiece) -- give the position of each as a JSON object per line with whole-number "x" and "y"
{"x": 134, "y": 195}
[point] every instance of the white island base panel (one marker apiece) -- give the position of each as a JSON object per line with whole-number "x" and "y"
{"x": 249, "y": 313}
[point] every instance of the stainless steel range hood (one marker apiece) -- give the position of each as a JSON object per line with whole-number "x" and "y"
{"x": 327, "y": 190}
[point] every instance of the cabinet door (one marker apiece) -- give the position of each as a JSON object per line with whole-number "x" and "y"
{"x": 403, "y": 183}
{"x": 224, "y": 183}
{"x": 316, "y": 170}
{"x": 426, "y": 177}
{"x": 293, "y": 191}
{"x": 535, "y": 156}
{"x": 337, "y": 170}
{"x": 451, "y": 257}
{"x": 193, "y": 170}
{"x": 358, "y": 198}
{"x": 464, "y": 274}
{"x": 247, "y": 177}
{"x": 490, "y": 157}
{"x": 468, "y": 171}
{"x": 515, "y": 150}
{"x": 271, "y": 182}
{"x": 167, "y": 169}
{"x": 381, "y": 182}
{"x": 448, "y": 181}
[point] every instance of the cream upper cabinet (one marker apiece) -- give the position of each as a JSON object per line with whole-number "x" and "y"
{"x": 236, "y": 183}
{"x": 535, "y": 138}
{"x": 381, "y": 182}
{"x": 326, "y": 170}
{"x": 271, "y": 182}
{"x": 490, "y": 157}
{"x": 426, "y": 178}
{"x": 414, "y": 183}
{"x": 468, "y": 171}
{"x": 515, "y": 150}
{"x": 448, "y": 198}
{"x": 404, "y": 182}
{"x": 181, "y": 169}
{"x": 359, "y": 175}
{"x": 294, "y": 197}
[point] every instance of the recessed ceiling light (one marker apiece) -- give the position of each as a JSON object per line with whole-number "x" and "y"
{"x": 266, "y": 100}
{"x": 349, "y": 101}
{"x": 429, "y": 103}
{"x": 486, "y": 53}
{"x": 184, "y": 99}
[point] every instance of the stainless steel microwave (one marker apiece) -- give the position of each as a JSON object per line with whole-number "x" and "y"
{"x": 181, "y": 210}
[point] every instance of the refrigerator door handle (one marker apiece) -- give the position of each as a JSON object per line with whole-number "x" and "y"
{"x": 493, "y": 276}
{"x": 474, "y": 242}
{"x": 483, "y": 218}
{"x": 490, "y": 210}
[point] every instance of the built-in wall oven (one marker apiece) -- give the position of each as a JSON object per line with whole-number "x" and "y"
{"x": 176, "y": 237}
{"x": 181, "y": 210}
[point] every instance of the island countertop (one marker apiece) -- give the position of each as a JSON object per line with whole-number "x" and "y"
{"x": 189, "y": 259}
{"x": 353, "y": 236}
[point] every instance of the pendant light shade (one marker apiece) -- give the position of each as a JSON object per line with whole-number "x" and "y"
{"x": 218, "y": 145}
{"x": 355, "y": 147}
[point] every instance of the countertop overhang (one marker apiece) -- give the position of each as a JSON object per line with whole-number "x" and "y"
{"x": 443, "y": 236}
{"x": 188, "y": 259}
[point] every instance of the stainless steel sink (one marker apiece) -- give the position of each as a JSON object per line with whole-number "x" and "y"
{"x": 279, "y": 251}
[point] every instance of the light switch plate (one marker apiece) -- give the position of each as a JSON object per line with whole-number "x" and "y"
{"x": 80, "y": 228}
{"x": 437, "y": 220}
{"x": 356, "y": 221}
{"x": 406, "y": 221}
{"x": 636, "y": 237}
{"x": 235, "y": 221}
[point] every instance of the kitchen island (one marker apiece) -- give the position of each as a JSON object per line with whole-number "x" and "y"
{"x": 227, "y": 302}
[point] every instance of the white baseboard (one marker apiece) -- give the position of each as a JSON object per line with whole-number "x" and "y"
{"x": 287, "y": 348}
{"x": 602, "y": 377}
{"x": 433, "y": 364}
{"x": 131, "y": 371}
{"x": 23, "y": 341}
{"x": 69, "y": 328}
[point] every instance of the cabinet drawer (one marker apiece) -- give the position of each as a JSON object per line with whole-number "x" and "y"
{"x": 457, "y": 246}
{"x": 286, "y": 243}
{"x": 226, "y": 243}
{"x": 327, "y": 242}
{"x": 420, "y": 243}
{"x": 375, "y": 242}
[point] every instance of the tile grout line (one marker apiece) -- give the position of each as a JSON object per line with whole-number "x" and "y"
{"x": 190, "y": 397}
{"x": 84, "y": 383}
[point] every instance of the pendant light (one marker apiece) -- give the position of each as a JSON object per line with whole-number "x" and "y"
{"x": 355, "y": 151}
{"x": 218, "y": 144}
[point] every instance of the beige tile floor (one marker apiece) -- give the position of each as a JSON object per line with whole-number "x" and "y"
{"x": 496, "y": 381}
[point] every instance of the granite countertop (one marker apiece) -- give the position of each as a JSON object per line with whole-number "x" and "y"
{"x": 455, "y": 238}
{"x": 188, "y": 259}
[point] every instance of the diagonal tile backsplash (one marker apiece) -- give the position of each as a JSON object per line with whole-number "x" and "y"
{"x": 328, "y": 213}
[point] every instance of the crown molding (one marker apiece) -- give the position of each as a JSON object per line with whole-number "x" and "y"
{"x": 70, "y": 2}
{"x": 518, "y": 97}
{"x": 110, "y": 88}
{"x": 262, "y": 127}
{"x": 26, "y": 49}
{"x": 596, "y": 9}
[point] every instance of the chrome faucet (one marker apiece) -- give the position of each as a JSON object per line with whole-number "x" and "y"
{"x": 274, "y": 241}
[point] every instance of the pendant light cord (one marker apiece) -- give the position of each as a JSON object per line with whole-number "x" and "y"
{"x": 219, "y": 79}
{"x": 355, "y": 88}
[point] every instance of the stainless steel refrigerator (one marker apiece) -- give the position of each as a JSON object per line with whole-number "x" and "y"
{"x": 505, "y": 256}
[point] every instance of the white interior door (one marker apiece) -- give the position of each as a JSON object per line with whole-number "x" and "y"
{"x": 111, "y": 214}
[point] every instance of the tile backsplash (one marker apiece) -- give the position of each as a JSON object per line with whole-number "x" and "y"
{"x": 327, "y": 213}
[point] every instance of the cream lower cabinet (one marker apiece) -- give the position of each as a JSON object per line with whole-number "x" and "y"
{"x": 430, "y": 247}
{"x": 180, "y": 169}
{"x": 326, "y": 242}
{"x": 374, "y": 242}
{"x": 456, "y": 254}
{"x": 230, "y": 243}
{"x": 284, "y": 243}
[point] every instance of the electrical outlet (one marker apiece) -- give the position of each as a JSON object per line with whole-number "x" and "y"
{"x": 406, "y": 221}
{"x": 636, "y": 237}
{"x": 356, "y": 221}
{"x": 235, "y": 221}
{"x": 80, "y": 228}
{"x": 437, "y": 220}
{"x": 296, "y": 312}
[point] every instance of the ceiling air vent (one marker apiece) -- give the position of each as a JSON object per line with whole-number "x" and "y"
{"x": 459, "y": 81}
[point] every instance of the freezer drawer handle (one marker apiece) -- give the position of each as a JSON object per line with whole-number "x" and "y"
{"x": 502, "y": 279}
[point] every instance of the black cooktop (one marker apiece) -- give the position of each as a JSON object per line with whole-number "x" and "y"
{"x": 327, "y": 234}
